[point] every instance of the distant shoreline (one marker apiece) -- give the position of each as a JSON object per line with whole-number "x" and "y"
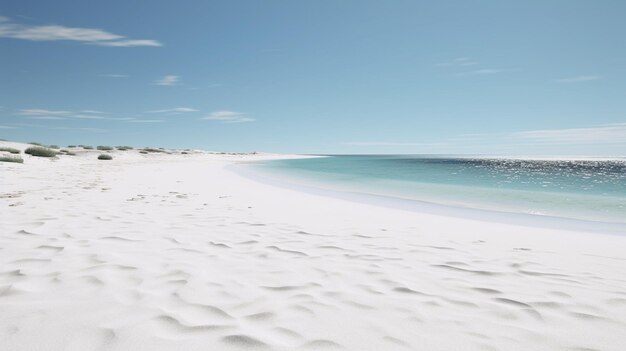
{"x": 524, "y": 219}
{"x": 174, "y": 250}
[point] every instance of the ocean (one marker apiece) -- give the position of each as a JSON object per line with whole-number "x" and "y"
{"x": 586, "y": 189}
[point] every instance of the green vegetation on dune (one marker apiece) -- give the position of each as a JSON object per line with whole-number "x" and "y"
{"x": 105, "y": 157}
{"x": 11, "y": 159}
{"x": 9, "y": 149}
{"x": 104, "y": 148}
{"x": 152, "y": 149}
{"x": 40, "y": 151}
{"x": 87, "y": 147}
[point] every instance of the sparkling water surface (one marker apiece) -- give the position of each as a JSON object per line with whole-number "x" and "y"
{"x": 589, "y": 189}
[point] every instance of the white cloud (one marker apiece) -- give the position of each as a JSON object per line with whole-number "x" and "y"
{"x": 174, "y": 111}
{"x": 128, "y": 43}
{"x": 92, "y": 111}
{"x": 9, "y": 29}
{"x": 568, "y": 138}
{"x": 466, "y": 63}
{"x": 578, "y": 79}
{"x": 168, "y": 80}
{"x": 604, "y": 134}
{"x": 89, "y": 116}
{"x": 41, "y": 112}
{"x": 228, "y": 117}
{"x": 82, "y": 129}
{"x": 6, "y": 127}
{"x": 85, "y": 129}
{"x": 114, "y": 75}
{"x": 46, "y": 117}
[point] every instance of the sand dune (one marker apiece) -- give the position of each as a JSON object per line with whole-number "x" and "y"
{"x": 175, "y": 252}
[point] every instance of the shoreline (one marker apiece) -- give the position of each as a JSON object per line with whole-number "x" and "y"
{"x": 168, "y": 252}
{"x": 419, "y": 206}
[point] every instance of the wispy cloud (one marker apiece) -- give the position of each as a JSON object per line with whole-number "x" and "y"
{"x": 10, "y": 29}
{"x": 464, "y": 63}
{"x": 82, "y": 129}
{"x": 130, "y": 42}
{"x": 603, "y": 134}
{"x": 174, "y": 111}
{"x": 566, "y": 138}
{"x": 578, "y": 79}
{"x": 44, "y": 114}
{"x": 114, "y": 75}
{"x": 41, "y": 112}
{"x": 228, "y": 117}
{"x": 85, "y": 129}
{"x": 168, "y": 80}
{"x": 50, "y": 118}
{"x": 6, "y": 127}
{"x": 92, "y": 111}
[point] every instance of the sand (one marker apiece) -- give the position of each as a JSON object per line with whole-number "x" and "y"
{"x": 178, "y": 252}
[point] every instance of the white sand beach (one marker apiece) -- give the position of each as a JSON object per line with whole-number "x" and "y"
{"x": 177, "y": 252}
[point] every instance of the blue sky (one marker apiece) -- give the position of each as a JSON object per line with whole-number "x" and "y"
{"x": 490, "y": 77}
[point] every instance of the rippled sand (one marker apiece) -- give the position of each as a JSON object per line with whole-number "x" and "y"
{"x": 175, "y": 252}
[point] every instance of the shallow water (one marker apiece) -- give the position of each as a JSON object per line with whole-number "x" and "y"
{"x": 590, "y": 189}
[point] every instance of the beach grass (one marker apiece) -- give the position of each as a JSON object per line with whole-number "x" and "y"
{"x": 151, "y": 149}
{"x": 124, "y": 148}
{"x": 67, "y": 152}
{"x": 40, "y": 151}
{"x": 104, "y": 148}
{"x": 87, "y": 147}
{"x": 56, "y": 147}
{"x": 10, "y": 149}
{"x": 11, "y": 159}
{"x": 105, "y": 157}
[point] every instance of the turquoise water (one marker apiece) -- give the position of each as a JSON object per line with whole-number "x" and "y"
{"x": 581, "y": 189}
